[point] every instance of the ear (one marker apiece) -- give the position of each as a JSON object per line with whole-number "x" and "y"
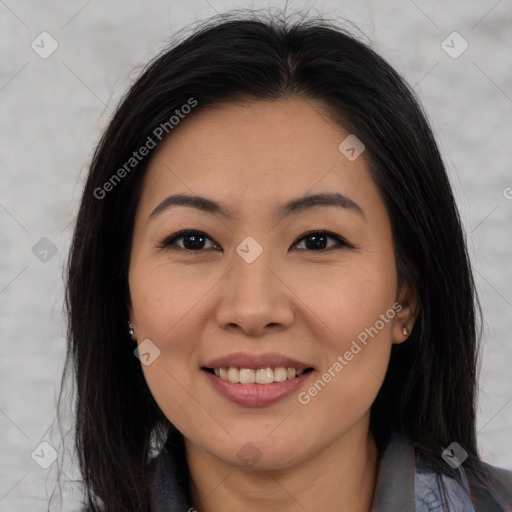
{"x": 406, "y": 316}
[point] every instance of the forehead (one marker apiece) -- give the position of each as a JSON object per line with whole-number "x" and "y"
{"x": 256, "y": 153}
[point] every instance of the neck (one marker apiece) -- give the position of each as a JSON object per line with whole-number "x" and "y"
{"x": 341, "y": 478}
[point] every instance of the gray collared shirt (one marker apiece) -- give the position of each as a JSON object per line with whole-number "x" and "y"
{"x": 403, "y": 485}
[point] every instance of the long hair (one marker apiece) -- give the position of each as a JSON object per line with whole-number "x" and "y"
{"x": 429, "y": 391}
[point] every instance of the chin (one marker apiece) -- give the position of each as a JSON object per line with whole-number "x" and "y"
{"x": 261, "y": 453}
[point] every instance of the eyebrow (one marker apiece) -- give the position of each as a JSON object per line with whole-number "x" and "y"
{"x": 291, "y": 207}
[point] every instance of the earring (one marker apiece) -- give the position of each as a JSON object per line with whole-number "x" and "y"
{"x": 131, "y": 332}
{"x": 405, "y": 331}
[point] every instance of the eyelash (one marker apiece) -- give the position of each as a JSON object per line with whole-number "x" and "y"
{"x": 168, "y": 242}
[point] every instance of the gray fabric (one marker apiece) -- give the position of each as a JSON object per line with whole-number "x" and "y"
{"x": 403, "y": 485}
{"x": 394, "y": 489}
{"x": 429, "y": 496}
{"x": 165, "y": 493}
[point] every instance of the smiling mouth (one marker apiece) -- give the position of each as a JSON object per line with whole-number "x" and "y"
{"x": 267, "y": 375}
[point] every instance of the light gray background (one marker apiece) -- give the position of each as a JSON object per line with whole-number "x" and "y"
{"x": 53, "y": 111}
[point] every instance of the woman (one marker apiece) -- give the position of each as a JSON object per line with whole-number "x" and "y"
{"x": 269, "y": 212}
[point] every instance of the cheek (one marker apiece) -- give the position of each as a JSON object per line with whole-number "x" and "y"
{"x": 349, "y": 302}
{"x": 170, "y": 308}
{"x": 164, "y": 300}
{"x": 357, "y": 310}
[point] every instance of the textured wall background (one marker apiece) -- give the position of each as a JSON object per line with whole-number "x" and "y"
{"x": 53, "y": 111}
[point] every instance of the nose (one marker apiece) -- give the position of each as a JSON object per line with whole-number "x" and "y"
{"x": 255, "y": 297}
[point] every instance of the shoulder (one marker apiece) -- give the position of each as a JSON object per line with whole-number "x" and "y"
{"x": 406, "y": 471}
{"x": 435, "y": 491}
{"x": 438, "y": 492}
{"x": 500, "y": 476}
{"x": 501, "y": 494}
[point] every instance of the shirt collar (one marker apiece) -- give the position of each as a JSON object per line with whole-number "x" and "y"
{"x": 394, "y": 488}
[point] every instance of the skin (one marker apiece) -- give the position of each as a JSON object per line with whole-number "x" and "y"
{"x": 307, "y": 304}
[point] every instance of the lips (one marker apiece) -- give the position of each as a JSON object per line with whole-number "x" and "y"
{"x": 256, "y": 361}
{"x": 247, "y": 392}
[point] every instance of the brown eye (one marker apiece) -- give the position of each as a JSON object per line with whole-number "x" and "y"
{"x": 193, "y": 241}
{"x": 318, "y": 241}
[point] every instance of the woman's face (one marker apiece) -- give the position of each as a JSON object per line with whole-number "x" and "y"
{"x": 253, "y": 291}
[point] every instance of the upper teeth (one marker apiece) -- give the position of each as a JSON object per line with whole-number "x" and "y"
{"x": 259, "y": 376}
